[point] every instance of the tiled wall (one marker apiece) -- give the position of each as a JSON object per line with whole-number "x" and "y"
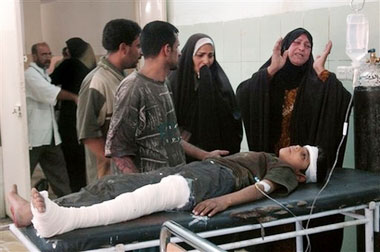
{"x": 242, "y": 46}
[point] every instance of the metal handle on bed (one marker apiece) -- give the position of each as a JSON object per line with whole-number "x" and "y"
{"x": 171, "y": 227}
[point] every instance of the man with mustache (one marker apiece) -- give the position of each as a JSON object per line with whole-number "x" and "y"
{"x": 44, "y": 138}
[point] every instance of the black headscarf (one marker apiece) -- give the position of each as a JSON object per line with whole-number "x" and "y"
{"x": 290, "y": 76}
{"x": 318, "y": 113}
{"x": 77, "y": 47}
{"x": 210, "y": 112}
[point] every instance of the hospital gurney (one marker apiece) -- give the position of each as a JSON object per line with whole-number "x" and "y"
{"x": 349, "y": 190}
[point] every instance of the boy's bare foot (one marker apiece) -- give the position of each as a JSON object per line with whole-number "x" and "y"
{"x": 20, "y": 208}
{"x": 38, "y": 201}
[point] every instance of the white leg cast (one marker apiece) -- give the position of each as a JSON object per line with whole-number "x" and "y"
{"x": 172, "y": 192}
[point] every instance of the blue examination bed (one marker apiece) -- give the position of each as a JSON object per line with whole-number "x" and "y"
{"x": 348, "y": 189}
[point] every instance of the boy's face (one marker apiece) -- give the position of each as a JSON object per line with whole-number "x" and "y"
{"x": 298, "y": 157}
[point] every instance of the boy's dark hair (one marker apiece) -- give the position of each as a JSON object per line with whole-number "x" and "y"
{"x": 119, "y": 31}
{"x": 155, "y": 35}
{"x": 322, "y": 165}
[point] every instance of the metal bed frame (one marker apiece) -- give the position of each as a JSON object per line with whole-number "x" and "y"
{"x": 370, "y": 219}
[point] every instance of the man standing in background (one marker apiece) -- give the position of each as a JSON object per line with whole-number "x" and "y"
{"x": 44, "y": 138}
{"x": 121, "y": 39}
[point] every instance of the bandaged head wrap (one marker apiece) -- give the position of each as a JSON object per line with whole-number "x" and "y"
{"x": 202, "y": 42}
{"x": 311, "y": 172}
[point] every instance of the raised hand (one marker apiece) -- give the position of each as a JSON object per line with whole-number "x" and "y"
{"x": 320, "y": 60}
{"x": 277, "y": 60}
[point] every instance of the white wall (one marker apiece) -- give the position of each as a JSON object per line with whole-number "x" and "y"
{"x": 61, "y": 20}
{"x": 187, "y": 12}
{"x": 32, "y": 23}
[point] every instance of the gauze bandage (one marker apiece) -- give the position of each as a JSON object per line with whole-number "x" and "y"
{"x": 172, "y": 192}
{"x": 265, "y": 185}
{"x": 311, "y": 172}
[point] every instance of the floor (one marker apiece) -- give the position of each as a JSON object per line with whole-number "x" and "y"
{"x": 8, "y": 241}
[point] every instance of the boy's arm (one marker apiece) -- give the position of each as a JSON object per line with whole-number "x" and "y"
{"x": 212, "y": 206}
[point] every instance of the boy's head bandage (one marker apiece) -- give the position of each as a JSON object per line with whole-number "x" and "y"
{"x": 311, "y": 172}
{"x": 202, "y": 42}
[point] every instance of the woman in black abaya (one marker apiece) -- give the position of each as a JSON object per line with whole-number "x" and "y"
{"x": 293, "y": 99}
{"x": 204, "y": 100}
{"x": 69, "y": 74}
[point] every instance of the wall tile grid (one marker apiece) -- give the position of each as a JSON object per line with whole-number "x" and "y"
{"x": 290, "y": 21}
{"x": 317, "y": 23}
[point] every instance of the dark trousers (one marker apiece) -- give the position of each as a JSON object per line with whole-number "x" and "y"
{"x": 53, "y": 165}
{"x": 76, "y": 165}
{"x": 73, "y": 152}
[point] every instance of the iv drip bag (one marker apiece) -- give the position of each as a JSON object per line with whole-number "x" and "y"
{"x": 357, "y": 37}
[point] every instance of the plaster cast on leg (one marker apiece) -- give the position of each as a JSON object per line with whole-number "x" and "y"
{"x": 172, "y": 192}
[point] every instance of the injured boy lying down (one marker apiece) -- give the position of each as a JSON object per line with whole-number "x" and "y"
{"x": 205, "y": 187}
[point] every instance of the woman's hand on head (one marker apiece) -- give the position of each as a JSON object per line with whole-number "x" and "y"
{"x": 320, "y": 60}
{"x": 277, "y": 60}
{"x": 210, "y": 207}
